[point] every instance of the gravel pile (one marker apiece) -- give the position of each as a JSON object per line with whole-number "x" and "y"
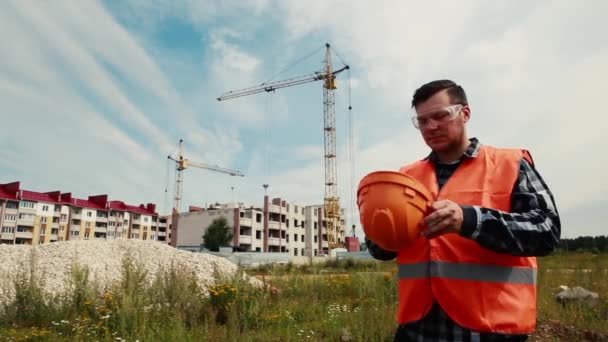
{"x": 104, "y": 260}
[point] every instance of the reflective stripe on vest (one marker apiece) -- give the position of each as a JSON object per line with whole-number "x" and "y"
{"x": 468, "y": 271}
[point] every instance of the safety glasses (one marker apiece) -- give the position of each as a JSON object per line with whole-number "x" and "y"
{"x": 439, "y": 116}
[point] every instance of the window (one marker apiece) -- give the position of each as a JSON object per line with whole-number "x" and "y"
{"x": 11, "y": 205}
{"x": 74, "y": 233}
{"x": 45, "y": 208}
{"x": 42, "y": 231}
{"x": 89, "y": 214}
{"x": 29, "y": 217}
{"x": 10, "y": 217}
{"x": 64, "y": 217}
{"x": 27, "y": 204}
{"x": 315, "y": 239}
{"x": 88, "y": 224}
{"x": 303, "y": 238}
{"x": 146, "y": 219}
{"x": 258, "y": 234}
{"x": 258, "y": 218}
{"x": 43, "y": 219}
{"x": 86, "y": 235}
{"x": 295, "y": 237}
{"x": 302, "y": 254}
{"x": 295, "y": 251}
{"x": 8, "y": 229}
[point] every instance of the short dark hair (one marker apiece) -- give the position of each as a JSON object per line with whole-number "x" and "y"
{"x": 457, "y": 94}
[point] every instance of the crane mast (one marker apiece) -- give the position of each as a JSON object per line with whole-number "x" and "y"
{"x": 181, "y": 163}
{"x": 332, "y": 201}
{"x": 331, "y": 205}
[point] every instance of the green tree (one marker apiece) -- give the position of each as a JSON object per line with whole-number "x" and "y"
{"x": 218, "y": 234}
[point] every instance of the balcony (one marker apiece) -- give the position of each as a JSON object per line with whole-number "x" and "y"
{"x": 75, "y": 228}
{"x": 24, "y": 235}
{"x": 101, "y": 219}
{"x": 246, "y": 239}
{"x": 55, "y": 225}
{"x": 273, "y": 241}
{"x": 7, "y": 236}
{"x": 273, "y": 225}
{"x": 325, "y": 244}
{"x": 273, "y": 208}
{"x": 101, "y": 230}
{"x": 25, "y": 222}
{"x": 162, "y": 225}
{"x": 57, "y": 214}
{"x": 162, "y": 234}
{"x": 54, "y": 237}
{"x": 77, "y": 216}
{"x": 247, "y": 222}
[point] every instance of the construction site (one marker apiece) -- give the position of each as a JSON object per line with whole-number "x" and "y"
{"x": 277, "y": 225}
{"x": 274, "y": 225}
{"x": 289, "y": 171}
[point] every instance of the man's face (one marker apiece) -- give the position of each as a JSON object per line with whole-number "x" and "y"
{"x": 440, "y": 122}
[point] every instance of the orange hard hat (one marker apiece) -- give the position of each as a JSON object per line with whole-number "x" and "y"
{"x": 391, "y": 206}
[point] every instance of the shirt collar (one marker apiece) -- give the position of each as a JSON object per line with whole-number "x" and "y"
{"x": 471, "y": 152}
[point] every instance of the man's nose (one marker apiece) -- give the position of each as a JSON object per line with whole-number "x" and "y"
{"x": 431, "y": 125}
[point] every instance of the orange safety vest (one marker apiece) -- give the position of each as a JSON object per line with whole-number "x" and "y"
{"x": 478, "y": 288}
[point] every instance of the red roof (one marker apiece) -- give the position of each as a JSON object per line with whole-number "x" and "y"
{"x": 149, "y": 209}
{"x": 9, "y": 191}
{"x": 12, "y": 191}
{"x": 38, "y": 196}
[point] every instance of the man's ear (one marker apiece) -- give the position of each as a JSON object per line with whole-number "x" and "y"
{"x": 466, "y": 113}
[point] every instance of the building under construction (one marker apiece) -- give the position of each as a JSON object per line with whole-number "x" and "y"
{"x": 275, "y": 226}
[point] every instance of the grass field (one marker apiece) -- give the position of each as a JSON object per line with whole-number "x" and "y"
{"x": 325, "y": 302}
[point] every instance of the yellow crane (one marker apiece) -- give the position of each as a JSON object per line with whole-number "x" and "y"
{"x": 328, "y": 76}
{"x": 181, "y": 163}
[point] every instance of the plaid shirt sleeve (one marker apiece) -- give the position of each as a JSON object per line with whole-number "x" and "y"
{"x": 533, "y": 227}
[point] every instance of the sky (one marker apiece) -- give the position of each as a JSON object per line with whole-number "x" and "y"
{"x": 95, "y": 95}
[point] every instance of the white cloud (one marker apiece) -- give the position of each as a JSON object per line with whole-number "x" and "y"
{"x": 534, "y": 73}
{"x": 71, "y": 123}
{"x": 533, "y": 78}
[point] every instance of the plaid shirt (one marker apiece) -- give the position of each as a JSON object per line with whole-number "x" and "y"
{"x": 533, "y": 228}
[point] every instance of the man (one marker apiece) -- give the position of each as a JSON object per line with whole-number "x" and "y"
{"x": 471, "y": 275}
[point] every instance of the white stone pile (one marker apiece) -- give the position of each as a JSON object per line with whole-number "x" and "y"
{"x": 104, "y": 260}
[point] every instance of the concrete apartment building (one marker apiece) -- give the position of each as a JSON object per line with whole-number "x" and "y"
{"x": 276, "y": 226}
{"x": 29, "y": 217}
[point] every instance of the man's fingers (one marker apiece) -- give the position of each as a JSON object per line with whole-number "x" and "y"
{"x": 436, "y": 229}
{"x": 435, "y": 217}
{"x": 440, "y": 204}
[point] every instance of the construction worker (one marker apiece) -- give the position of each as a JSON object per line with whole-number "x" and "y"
{"x": 471, "y": 275}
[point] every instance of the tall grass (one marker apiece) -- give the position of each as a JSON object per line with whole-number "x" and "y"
{"x": 321, "y": 302}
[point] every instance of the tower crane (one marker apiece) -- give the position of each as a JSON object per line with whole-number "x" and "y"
{"x": 181, "y": 163}
{"x": 328, "y": 76}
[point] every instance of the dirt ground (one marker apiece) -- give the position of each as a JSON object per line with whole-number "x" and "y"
{"x": 558, "y": 331}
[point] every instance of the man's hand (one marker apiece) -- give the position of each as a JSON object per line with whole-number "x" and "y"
{"x": 445, "y": 218}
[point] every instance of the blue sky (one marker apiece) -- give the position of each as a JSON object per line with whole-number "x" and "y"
{"x": 95, "y": 95}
